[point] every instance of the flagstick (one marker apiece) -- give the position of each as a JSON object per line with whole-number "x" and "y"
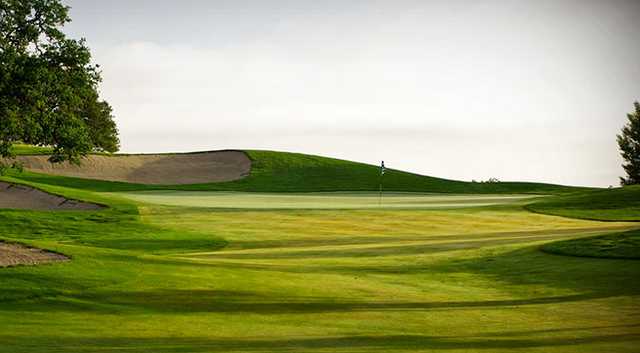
{"x": 380, "y": 184}
{"x": 380, "y": 198}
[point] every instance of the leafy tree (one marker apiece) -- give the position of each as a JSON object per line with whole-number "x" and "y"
{"x": 102, "y": 129}
{"x": 48, "y": 86}
{"x": 629, "y": 142}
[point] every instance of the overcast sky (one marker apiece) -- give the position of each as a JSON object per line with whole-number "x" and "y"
{"x": 518, "y": 90}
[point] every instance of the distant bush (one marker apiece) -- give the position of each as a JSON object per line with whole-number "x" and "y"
{"x": 488, "y": 181}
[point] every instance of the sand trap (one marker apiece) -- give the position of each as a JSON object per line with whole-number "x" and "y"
{"x": 15, "y": 254}
{"x": 24, "y": 197}
{"x": 169, "y": 169}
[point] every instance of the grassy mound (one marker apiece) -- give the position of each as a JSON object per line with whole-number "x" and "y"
{"x": 620, "y": 204}
{"x": 614, "y": 246}
{"x": 294, "y": 172}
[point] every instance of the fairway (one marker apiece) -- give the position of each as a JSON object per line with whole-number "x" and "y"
{"x": 200, "y": 279}
{"x": 327, "y": 200}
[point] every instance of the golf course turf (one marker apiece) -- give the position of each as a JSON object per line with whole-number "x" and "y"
{"x": 325, "y": 200}
{"x": 624, "y": 245}
{"x": 198, "y": 273}
{"x": 619, "y": 204}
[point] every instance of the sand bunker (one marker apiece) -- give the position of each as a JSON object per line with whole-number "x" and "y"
{"x": 169, "y": 169}
{"x": 15, "y": 254}
{"x": 24, "y": 197}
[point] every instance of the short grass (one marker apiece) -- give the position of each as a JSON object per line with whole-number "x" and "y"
{"x": 327, "y": 200}
{"x": 153, "y": 278}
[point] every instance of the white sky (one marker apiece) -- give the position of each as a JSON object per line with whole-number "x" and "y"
{"x": 518, "y": 90}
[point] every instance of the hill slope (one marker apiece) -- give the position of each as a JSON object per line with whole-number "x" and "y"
{"x": 619, "y": 204}
{"x": 294, "y": 172}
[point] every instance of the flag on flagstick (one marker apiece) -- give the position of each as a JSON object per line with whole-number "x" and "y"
{"x": 382, "y": 170}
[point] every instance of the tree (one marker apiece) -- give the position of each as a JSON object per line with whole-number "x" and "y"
{"x": 48, "y": 85}
{"x": 629, "y": 142}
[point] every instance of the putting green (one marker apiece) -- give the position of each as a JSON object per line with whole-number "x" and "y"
{"x": 327, "y": 200}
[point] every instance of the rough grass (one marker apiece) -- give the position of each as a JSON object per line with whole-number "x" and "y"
{"x": 174, "y": 279}
{"x": 294, "y": 172}
{"x": 619, "y": 204}
{"x": 614, "y": 246}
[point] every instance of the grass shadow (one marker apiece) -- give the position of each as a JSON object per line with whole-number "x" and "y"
{"x": 360, "y": 343}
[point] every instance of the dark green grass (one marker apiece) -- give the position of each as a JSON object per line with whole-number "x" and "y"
{"x": 620, "y": 204}
{"x": 613, "y": 246}
{"x": 294, "y": 172}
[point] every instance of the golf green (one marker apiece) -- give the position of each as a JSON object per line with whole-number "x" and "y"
{"x": 326, "y": 200}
